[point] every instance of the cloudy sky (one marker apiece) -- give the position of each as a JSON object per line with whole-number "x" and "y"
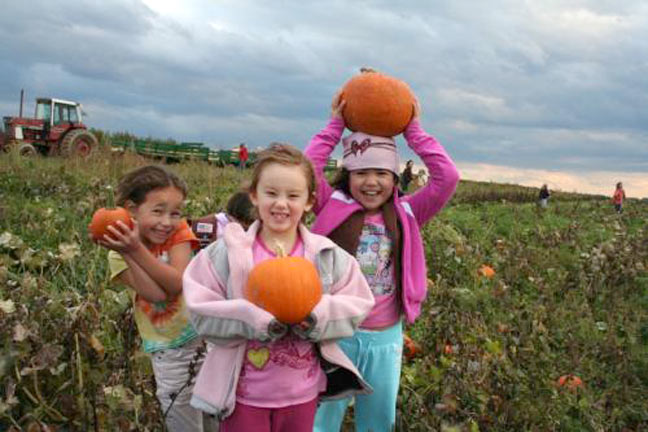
{"x": 517, "y": 91}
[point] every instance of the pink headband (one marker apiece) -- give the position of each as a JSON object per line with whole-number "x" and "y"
{"x": 362, "y": 151}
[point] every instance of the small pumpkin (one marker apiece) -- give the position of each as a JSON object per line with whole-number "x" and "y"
{"x": 411, "y": 349}
{"x": 448, "y": 349}
{"x": 570, "y": 381}
{"x": 287, "y": 287}
{"x": 103, "y": 218}
{"x": 486, "y": 271}
{"x": 377, "y": 104}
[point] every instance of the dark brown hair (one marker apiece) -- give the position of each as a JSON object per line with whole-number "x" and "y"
{"x": 135, "y": 184}
{"x": 284, "y": 154}
{"x": 342, "y": 179}
{"x": 240, "y": 208}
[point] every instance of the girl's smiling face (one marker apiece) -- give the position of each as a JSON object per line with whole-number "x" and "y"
{"x": 371, "y": 187}
{"x": 281, "y": 198}
{"x": 159, "y": 215}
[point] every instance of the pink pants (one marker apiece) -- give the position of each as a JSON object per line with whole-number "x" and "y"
{"x": 293, "y": 418}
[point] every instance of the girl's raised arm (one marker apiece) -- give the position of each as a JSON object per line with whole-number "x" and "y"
{"x": 320, "y": 148}
{"x": 444, "y": 176}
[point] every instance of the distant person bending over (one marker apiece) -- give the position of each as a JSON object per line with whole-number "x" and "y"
{"x": 420, "y": 179}
{"x": 543, "y": 197}
{"x": 619, "y": 196}
{"x": 407, "y": 175}
{"x": 239, "y": 209}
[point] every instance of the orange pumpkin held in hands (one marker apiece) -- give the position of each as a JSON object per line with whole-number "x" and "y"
{"x": 287, "y": 287}
{"x": 103, "y": 218}
{"x": 377, "y": 104}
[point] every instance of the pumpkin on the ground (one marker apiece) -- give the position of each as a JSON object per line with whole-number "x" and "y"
{"x": 103, "y": 218}
{"x": 377, "y": 104}
{"x": 411, "y": 349}
{"x": 570, "y": 381}
{"x": 287, "y": 287}
{"x": 486, "y": 271}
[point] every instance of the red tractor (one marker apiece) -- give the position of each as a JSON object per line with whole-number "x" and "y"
{"x": 57, "y": 128}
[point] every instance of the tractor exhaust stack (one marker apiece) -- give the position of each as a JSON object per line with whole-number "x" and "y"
{"x": 22, "y": 98}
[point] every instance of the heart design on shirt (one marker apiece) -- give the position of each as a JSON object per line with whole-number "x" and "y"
{"x": 258, "y": 357}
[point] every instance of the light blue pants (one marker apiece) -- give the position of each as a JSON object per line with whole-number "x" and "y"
{"x": 378, "y": 356}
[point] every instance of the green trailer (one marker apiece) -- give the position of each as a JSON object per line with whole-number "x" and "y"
{"x": 172, "y": 152}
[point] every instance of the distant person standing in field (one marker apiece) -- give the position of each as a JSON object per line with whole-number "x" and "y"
{"x": 407, "y": 175}
{"x": 543, "y": 197}
{"x": 619, "y": 196}
{"x": 243, "y": 156}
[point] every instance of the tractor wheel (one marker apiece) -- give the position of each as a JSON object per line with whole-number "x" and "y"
{"x": 26, "y": 149}
{"x": 78, "y": 142}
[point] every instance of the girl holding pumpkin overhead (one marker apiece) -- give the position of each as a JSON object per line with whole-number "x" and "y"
{"x": 364, "y": 214}
{"x": 149, "y": 255}
{"x": 268, "y": 367}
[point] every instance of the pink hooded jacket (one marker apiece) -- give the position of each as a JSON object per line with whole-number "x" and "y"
{"x": 213, "y": 286}
{"x": 333, "y": 207}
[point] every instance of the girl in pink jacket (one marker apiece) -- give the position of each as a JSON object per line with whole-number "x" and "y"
{"x": 261, "y": 374}
{"x": 364, "y": 214}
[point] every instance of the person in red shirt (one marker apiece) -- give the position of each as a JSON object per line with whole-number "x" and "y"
{"x": 243, "y": 156}
{"x": 619, "y": 196}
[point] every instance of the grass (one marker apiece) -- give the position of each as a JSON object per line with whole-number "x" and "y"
{"x": 569, "y": 296}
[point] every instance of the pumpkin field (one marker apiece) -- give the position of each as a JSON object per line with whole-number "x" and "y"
{"x": 535, "y": 320}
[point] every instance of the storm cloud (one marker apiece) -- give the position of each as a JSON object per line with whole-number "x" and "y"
{"x": 554, "y": 85}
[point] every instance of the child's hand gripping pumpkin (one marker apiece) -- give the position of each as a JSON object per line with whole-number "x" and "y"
{"x": 337, "y": 105}
{"x": 122, "y": 238}
{"x": 304, "y": 328}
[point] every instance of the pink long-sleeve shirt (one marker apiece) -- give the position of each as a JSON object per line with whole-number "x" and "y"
{"x": 333, "y": 207}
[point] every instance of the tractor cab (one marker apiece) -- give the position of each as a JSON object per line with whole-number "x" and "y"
{"x": 58, "y": 111}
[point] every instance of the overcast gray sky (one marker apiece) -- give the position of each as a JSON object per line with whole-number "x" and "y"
{"x": 519, "y": 91}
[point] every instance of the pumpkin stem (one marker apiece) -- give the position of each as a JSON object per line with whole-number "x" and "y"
{"x": 366, "y": 69}
{"x": 279, "y": 249}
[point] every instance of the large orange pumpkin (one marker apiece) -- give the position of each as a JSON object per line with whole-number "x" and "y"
{"x": 287, "y": 287}
{"x": 103, "y": 218}
{"x": 377, "y": 104}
